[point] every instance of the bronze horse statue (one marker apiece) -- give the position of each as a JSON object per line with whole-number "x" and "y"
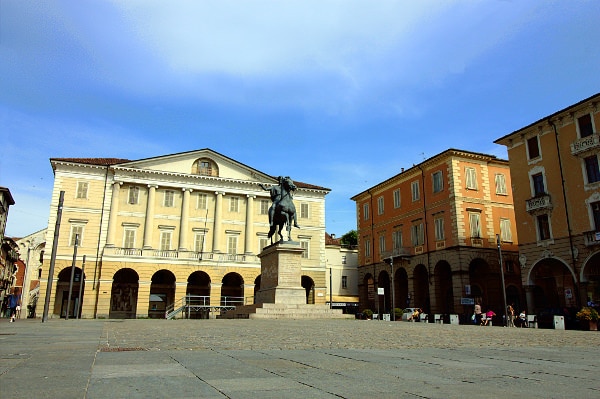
{"x": 283, "y": 211}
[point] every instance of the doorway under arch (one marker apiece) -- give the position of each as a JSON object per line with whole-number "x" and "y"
{"x": 62, "y": 293}
{"x": 232, "y": 290}
{"x": 124, "y": 294}
{"x": 162, "y": 293}
{"x": 309, "y": 286}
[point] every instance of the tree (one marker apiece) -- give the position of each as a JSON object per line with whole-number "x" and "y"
{"x": 350, "y": 238}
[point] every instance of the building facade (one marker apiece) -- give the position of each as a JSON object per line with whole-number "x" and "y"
{"x": 342, "y": 283}
{"x": 8, "y": 251}
{"x": 556, "y": 183}
{"x": 31, "y": 248}
{"x": 428, "y": 237}
{"x": 156, "y": 230}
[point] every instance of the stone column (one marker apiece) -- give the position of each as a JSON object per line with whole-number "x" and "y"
{"x": 249, "y": 224}
{"x": 114, "y": 209}
{"x": 215, "y": 293}
{"x": 149, "y": 220}
{"x": 183, "y": 224}
{"x": 143, "y": 299}
{"x": 217, "y": 222}
{"x": 529, "y": 297}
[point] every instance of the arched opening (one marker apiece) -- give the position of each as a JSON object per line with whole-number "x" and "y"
{"x": 162, "y": 294}
{"x": 591, "y": 274}
{"x": 309, "y": 286}
{"x": 444, "y": 293}
{"x": 513, "y": 298}
{"x": 123, "y": 295}
{"x": 401, "y": 288}
{"x": 368, "y": 292}
{"x": 421, "y": 287}
{"x": 232, "y": 290}
{"x": 490, "y": 295}
{"x": 198, "y": 295}
{"x": 256, "y": 286}
{"x": 62, "y": 293}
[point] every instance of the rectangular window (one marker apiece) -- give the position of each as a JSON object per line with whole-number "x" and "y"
{"x": 199, "y": 241}
{"x": 417, "y": 234}
{"x": 264, "y": 207}
{"x": 344, "y": 259}
{"x": 232, "y": 242}
{"x": 82, "y": 190}
{"x": 505, "y": 231}
{"x": 365, "y": 211}
{"x": 306, "y": 247}
{"x": 501, "y": 184}
{"x": 471, "y": 177}
{"x": 533, "y": 148}
{"x": 165, "y": 240}
{"x": 381, "y": 244}
{"x": 169, "y": 201}
{"x": 397, "y": 238}
{"x": 134, "y": 195}
{"x": 76, "y": 230}
{"x": 416, "y": 195}
{"x": 438, "y": 182}
{"x": 129, "y": 238}
{"x": 475, "y": 224}
{"x": 262, "y": 243}
{"x": 202, "y": 201}
{"x": 538, "y": 185}
{"x": 234, "y": 204}
{"x": 304, "y": 210}
{"x": 592, "y": 169}
{"x": 543, "y": 225}
{"x": 585, "y": 125}
{"x": 367, "y": 247}
{"x": 344, "y": 282}
{"x": 596, "y": 214}
{"x": 380, "y": 204}
{"x": 439, "y": 228}
{"x": 397, "y": 198}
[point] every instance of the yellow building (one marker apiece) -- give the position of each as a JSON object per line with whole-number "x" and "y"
{"x": 428, "y": 237}
{"x": 156, "y": 230}
{"x": 556, "y": 185}
{"x": 342, "y": 283}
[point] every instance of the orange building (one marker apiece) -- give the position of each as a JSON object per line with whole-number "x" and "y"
{"x": 436, "y": 225}
{"x": 556, "y": 182}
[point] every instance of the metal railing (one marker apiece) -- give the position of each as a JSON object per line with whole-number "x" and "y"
{"x": 196, "y": 303}
{"x": 181, "y": 255}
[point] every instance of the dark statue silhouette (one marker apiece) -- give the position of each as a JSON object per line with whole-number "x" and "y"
{"x": 282, "y": 211}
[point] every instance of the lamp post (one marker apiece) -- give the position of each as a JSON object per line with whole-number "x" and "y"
{"x": 502, "y": 275}
{"x": 390, "y": 261}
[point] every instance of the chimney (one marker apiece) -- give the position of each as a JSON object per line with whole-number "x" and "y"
{"x": 333, "y": 236}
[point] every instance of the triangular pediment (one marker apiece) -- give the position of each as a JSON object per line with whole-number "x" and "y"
{"x": 199, "y": 162}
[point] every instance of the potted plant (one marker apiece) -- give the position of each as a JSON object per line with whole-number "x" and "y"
{"x": 398, "y": 314}
{"x": 368, "y": 314}
{"x": 588, "y": 316}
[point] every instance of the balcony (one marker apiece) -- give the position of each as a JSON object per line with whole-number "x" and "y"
{"x": 542, "y": 202}
{"x": 585, "y": 144}
{"x": 182, "y": 256}
{"x": 592, "y": 238}
{"x": 401, "y": 252}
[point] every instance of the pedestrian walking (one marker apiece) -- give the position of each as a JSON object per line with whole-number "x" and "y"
{"x": 14, "y": 300}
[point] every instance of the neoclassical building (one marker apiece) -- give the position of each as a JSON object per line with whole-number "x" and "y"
{"x": 156, "y": 230}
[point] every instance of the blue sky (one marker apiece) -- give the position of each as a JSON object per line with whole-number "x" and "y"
{"x": 341, "y": 94}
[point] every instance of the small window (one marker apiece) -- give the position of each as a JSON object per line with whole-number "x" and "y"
{"x": 471, "y": 177}
{"x": 264, "y": 207}
{"x": 82, "y": 190}
{"x": 417, "y": 234}
{"x": 416, "y": 195}
{"x": 202, "y": 201}
{"x": 76, "y": 233}
{"x": 438, "y": 182}
{"x": 533, "y": 148}
{"x": 543, "y": 224}
{"x": 306, "y": 247}
{"x": 475, "y": 224}
{"x": 397, "y": 198}
{"x": 505, "y": 230}
{"x": 134, "y": 195}
{"x": 232, "y": 242}
{"x": 596, "y": 214}
{"x": 538, "y": 185}
{"x": 365, "y": 211}
{"x": 380, "y": 206}
{"x": 169, "y": 201}
{"x": 129, "y": 238}
{"x": 262, "y": 243}
{"x": 344, "y": 259}
{"x": 381, "y": 244}
{"x": 234, "y": 204}
{"x": 397, "y": 238}
{"x": 584, "y": 123}
{"x": 165, "y": 240}
{"x": 439, "y": 228}
{"x": 501, "y": 184}
{"x": 344, "y": 282}
{"x": 367, "y": 247}
{"x": 199, "y": 241}
{"x": 304, "y": 211}
{"x": 592, "y": 169}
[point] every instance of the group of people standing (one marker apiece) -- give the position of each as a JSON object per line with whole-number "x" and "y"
{"x": 483, "y": 319}
{"x": 12, "y": 305}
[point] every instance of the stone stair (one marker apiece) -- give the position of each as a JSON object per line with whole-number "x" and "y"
{"x": 284, "y": 311}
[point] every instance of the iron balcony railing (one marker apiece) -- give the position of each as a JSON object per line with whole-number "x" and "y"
{"x": 181, "y": 255}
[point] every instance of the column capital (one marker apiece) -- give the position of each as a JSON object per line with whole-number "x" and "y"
{"x": 152, "y": 185}
{"x": 184, "y": 189}
{"x": 120, "y": 183}
{"x": 251, "y": 195}
{"x": 220, "y": 193}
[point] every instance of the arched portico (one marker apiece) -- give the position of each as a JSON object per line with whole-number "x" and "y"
{"x": 309, "y": 285}
{"x": 62, "y": 293}
{"x": 124, "y": 294}
{"x": 162, "y": 293}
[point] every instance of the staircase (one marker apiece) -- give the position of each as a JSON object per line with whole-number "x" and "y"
{"x": 283, "y": 311}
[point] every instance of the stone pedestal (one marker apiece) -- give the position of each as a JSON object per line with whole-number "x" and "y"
{"x": 280, "y": 280}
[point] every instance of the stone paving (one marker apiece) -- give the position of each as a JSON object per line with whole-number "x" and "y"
{"x": 292, "y": 359}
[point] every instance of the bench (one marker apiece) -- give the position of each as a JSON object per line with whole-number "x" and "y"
{"x": 532, "y": 321}
{"x": 438, "y": 318}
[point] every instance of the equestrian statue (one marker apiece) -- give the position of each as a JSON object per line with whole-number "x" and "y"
{"x": 282, "y": 211}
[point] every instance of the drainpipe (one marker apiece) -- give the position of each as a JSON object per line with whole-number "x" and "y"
{"x": 371, "y": 210}
{"x": 562, "y": 180}
{"x": 98, "y": 247}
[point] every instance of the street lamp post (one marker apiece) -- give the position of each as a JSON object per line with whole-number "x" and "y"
{"x": 502, "y": 274}
{"x": 390, "y": 261}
